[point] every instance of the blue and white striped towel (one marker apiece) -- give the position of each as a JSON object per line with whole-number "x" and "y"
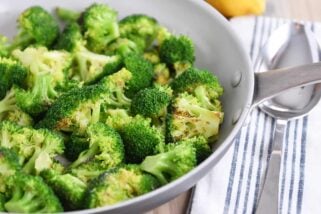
{"x": 234, "y": 184}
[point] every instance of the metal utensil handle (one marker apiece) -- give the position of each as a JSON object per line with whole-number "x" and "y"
{"x": 271, "y": 83}
{"x": 269, "y": 197}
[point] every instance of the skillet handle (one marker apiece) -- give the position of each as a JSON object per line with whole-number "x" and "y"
{"x": 270, "y": 83}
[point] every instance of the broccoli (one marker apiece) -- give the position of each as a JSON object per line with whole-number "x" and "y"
{"x": 202, "y": 84}
{"x": 202, "y": 147}
{"x": 100, "y": 26}
{"x": 152, "y": 56}
{"x": 162, "y": 75}
{"x": 67, "y": 15}
{"x": 142, "y": 73}
{"x": 105, "y": 145}
{"x": 11, "y": 72}
{"x": 2, "y": 202}
{"x": 29, "y": 194}
{"x": 48, "y": 69}
{"x": 36, "y": 148}
{"x": 7, "y": 104}
{"x": 140, "y": 28}
{"x": 19, "y": 117}
{"x": 88, "y": 171}
{"x": 162, "y": 34}
{"x": 152, "y": 102}
{"x": 89, "y": 66}
{"x": 75, "y": 110}
{"x": 116, "y": 85}
{"x": 117, "y": 118}
{"x": 74, "y": 146}
{"x": 170, "y": 165}
{"x": 122, "y": 47}
{"x": 36, "y": 27}
{"x": 178, "y": 53}
{"x": 70, "y": 189}
{"x": 119, "y": 184}
{"x": 9, "y": 165}
{"x": 141, "y": 139}
{"x": 187, "y": 118}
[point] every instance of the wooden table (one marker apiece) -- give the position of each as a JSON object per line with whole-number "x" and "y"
{"x": 295, "y": 9}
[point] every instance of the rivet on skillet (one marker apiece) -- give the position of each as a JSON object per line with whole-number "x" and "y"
{"x": 236, "y": 79}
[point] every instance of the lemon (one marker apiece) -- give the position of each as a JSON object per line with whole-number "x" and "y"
{"x": 230, "y": 8}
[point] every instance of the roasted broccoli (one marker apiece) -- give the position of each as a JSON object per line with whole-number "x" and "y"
{"x": 29, "y": 194}
{"x": 119, "y": 184}
{"x": 142, "y": 73}
{"x": 36, "y": 148}
{"x": 100, "y": 26}
{"x": 202, "y": 84}
{"x": 70, "y": 189}
{"x": 89, "y": 66}
{"x": 162, "y": 74}
{"x": 140, "y": 28}
{"x": 201, "y": 145}
{"x": 152, "y": 102}
{"x": 105, "y": 146}
{"x": 9, "y": 165}
{"x": 170, "y": 165}
{"x": 187, "y": 118}
{"x": 75, "y": 110}
{"x": 141, "y": 139}
{"x": 88, "y": 171}
{"x": 11, "y": 72}
{"x": 36, "y": 27}
{"x": 178, "y": 52}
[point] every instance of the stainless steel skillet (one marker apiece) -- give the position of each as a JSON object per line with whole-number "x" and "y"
{"x": 218, "y": 50}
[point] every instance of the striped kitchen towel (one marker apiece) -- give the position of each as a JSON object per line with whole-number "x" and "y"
{"x": 234, "y": 184}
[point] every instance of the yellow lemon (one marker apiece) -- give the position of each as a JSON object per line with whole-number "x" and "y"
{"x": 230, "y": 8}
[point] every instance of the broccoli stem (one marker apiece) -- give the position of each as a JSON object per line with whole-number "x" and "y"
{"x": 86, "y": 155}
{"x": 7, "y": 104}
{"x": 21, "y": 202}
{"x": 202, "y": 96}
{"x": 43, "y": 88}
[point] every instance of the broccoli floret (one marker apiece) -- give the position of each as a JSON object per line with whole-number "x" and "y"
{"x": 122, "y": 47}
{"x": 152, "y": 102}
{"x": 70, "y": 189}
{"x": 178, "y": 52}
{"x": 204, "y": 85}
{"x": 140, "y": 28}
{"x": 141, "y": 139}
{"x": 162, "y": 34}
{"x": 29, "y": 194}
{"x": 119, "y": 184}
{"x": 11, "y": 72}
{"x": 142, "y": 73}
{"x": 89, "y": 66}
{"x": 8, "y": 104}
{"x": 201, "y": 145}
{"x": 36, "y": 148}
{"x": 100, "y": 26}
{"x": 74, "y": 146}
{"x": 71, "y": 38}
{"x": 162, "y": 74}
{"x": 117, "y": 118}
{"x": 36, "y": 26}
{"x": 152, "y": 56}
{"x": 187, "y": 118}
{"x": 40, "y": 60}
{"x": 75, "y": 110}
{"x": 19, "y": 117}
{"x": 105, "y": 145}
{"x": 38, "y": 98}
{"x": 9, "y": 165}
{"x": 88, "y": 171}
{"x": 170, "y": 165}
{"x": 67, "y": 15}
{"x": 116, "y": 85}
